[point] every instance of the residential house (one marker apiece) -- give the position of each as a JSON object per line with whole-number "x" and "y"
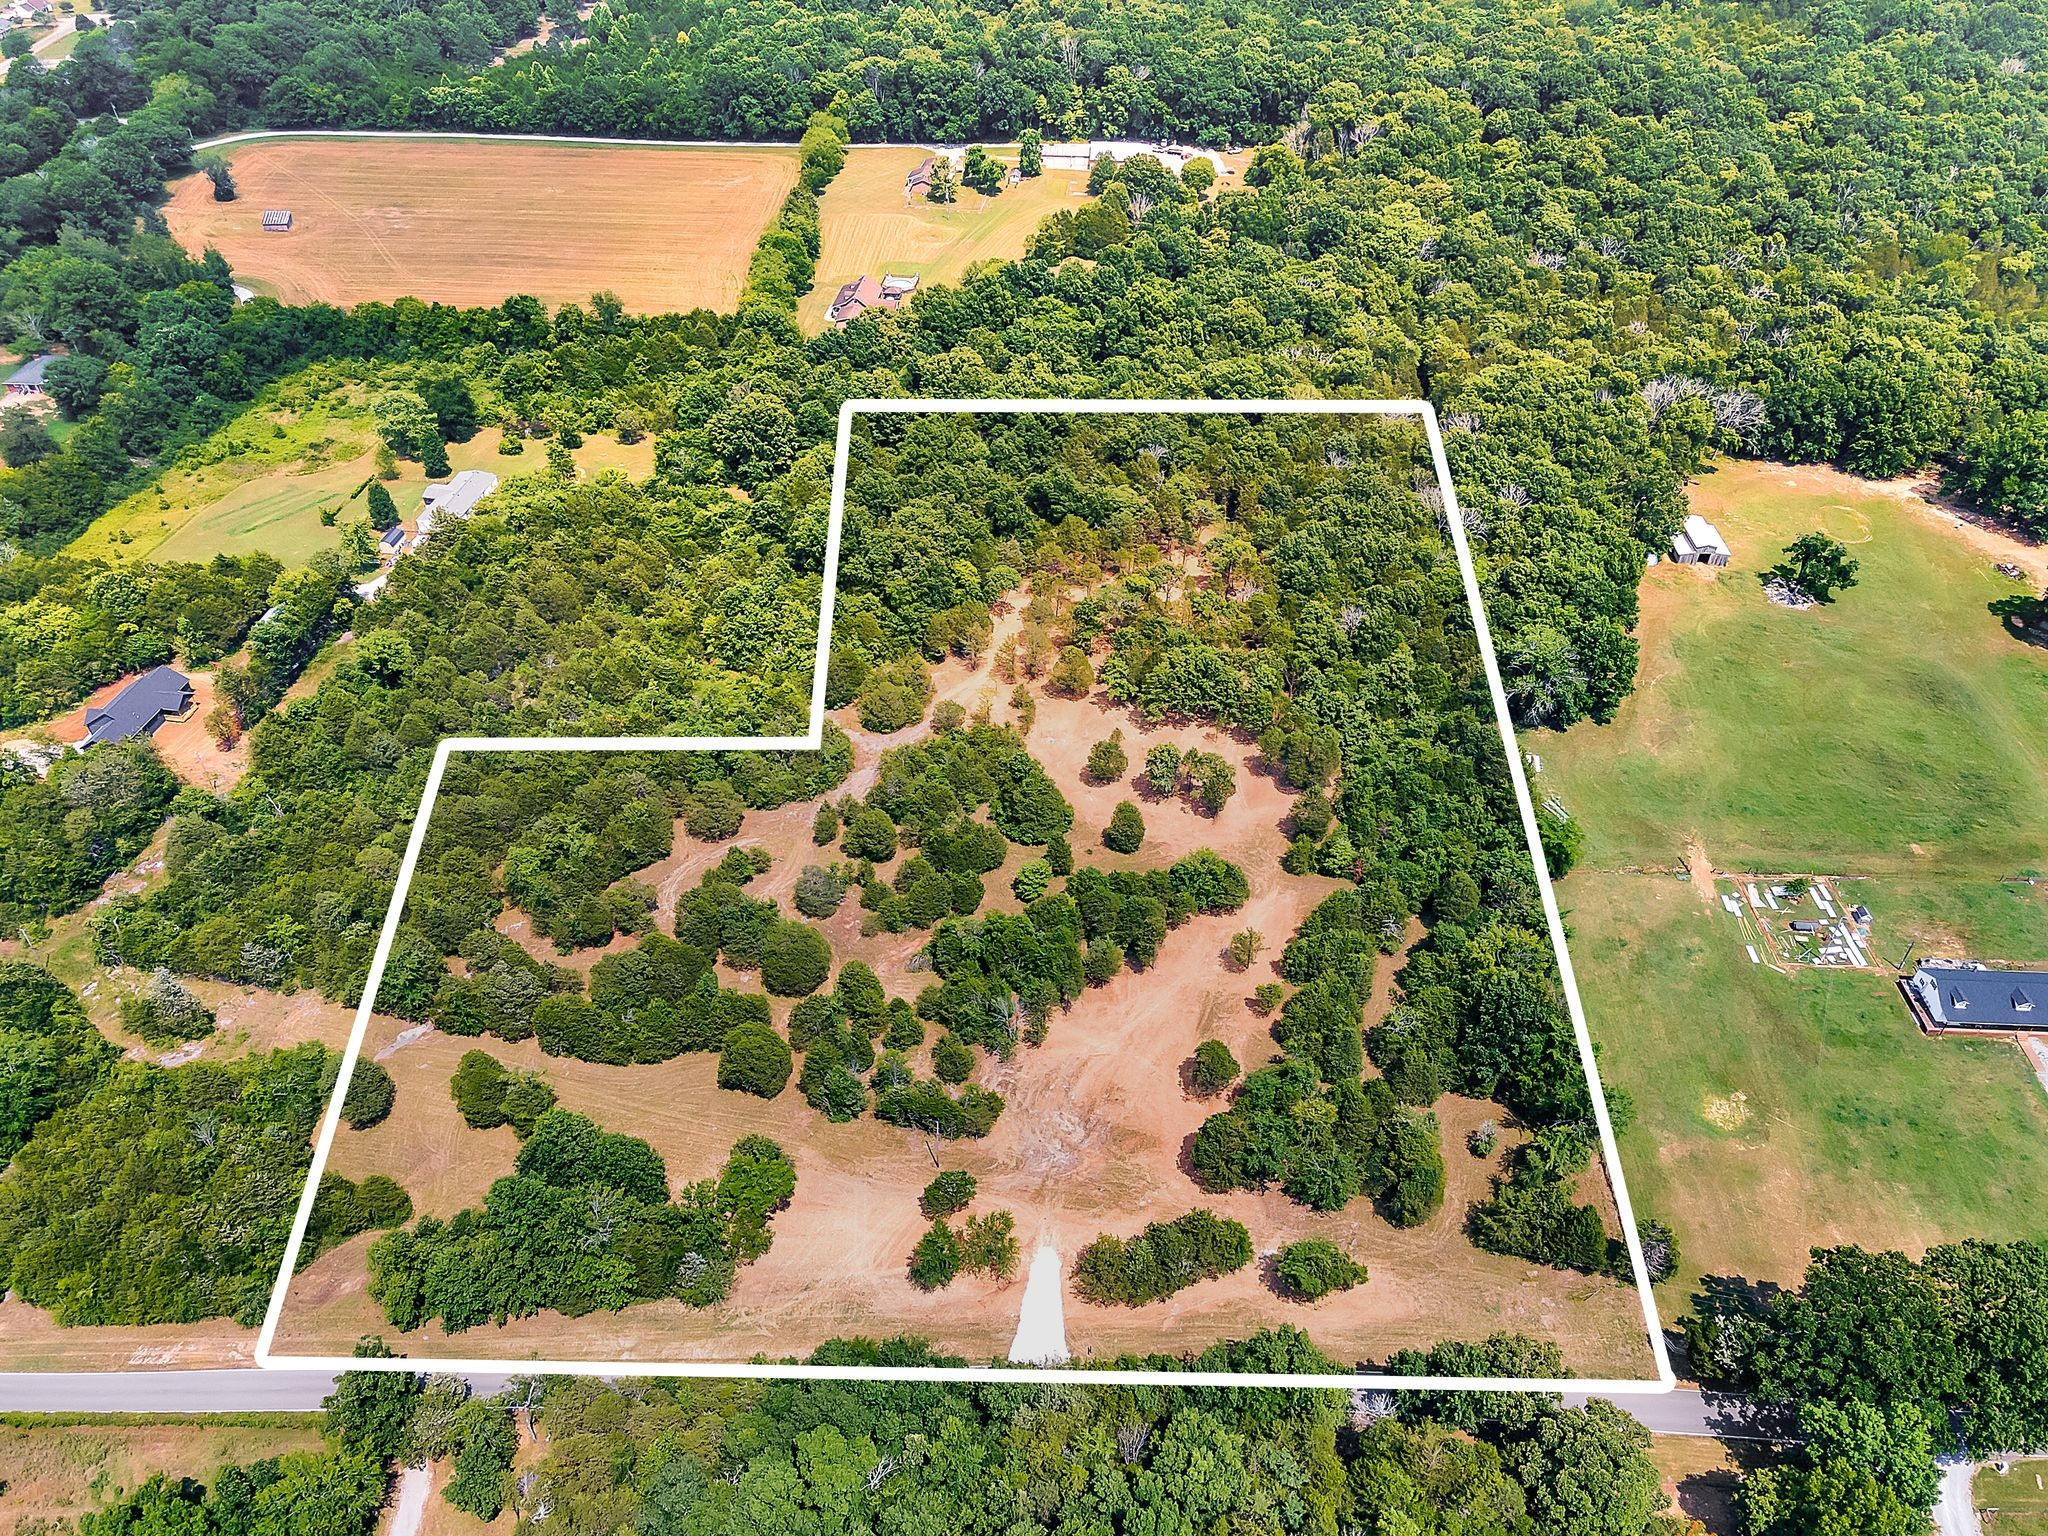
{"x": 160, "y": 694}
{"x": 28, "y": 378}
{"x": 1946, "y": 995}
{"x": 456, "y": 498}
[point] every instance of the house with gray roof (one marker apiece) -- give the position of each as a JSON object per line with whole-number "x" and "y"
{"x": 28, "y": 378}
{"x": 160, "y": 694}
{"x": 1946, "y": 995}
{"x": 456, "y": 497}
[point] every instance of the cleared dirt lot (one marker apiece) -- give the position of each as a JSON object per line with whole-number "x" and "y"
{"x": 1092, "y": 1138}
{"x": 473, "y": 221}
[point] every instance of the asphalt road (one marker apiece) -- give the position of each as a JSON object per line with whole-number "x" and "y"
{"x": 246, "y": 1390}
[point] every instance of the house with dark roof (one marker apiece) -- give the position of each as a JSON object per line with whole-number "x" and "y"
{"x": 393, "y": 541}
{"x": 160, "y": 694}
{"x": 1945, "y": 995}
{"x": 919, "y": 180}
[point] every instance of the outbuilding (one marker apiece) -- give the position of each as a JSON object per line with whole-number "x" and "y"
{"x": 28, "y": 378}
{"x": 277, "y": 221}
{"x": 1699, "y": 542}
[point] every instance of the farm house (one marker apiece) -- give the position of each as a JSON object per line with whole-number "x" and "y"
{"x": 1947, "y": 995}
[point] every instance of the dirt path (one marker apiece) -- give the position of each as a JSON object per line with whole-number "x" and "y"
{"x": 1042, "y": 1319}
{"x": 414, "y": 1486}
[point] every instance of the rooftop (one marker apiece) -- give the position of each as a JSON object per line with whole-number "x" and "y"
{"x": 1983, "y": 997}
{"x": 141, "y": 706}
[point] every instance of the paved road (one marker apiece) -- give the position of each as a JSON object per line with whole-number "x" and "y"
{"x": 1687, "y": 1411}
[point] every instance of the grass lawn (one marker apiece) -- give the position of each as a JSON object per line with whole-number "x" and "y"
{"x": 1776, "y": 1113}
{"x": 1898, "y": 737}
{"x": 271, "y": 472}
{"x": 1899, "y": 729}
{"x": 56, "y": 1471}
{"x": 2019, "y": 1497}
{"x": 868, "y": 227}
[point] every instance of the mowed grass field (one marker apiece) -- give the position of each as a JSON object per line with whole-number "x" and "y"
{"x": 473, "y": 221}
{"x": 867, "y": 226}
{"x": 2019, "y": 1497}
{"x": 1899, "y": 728}
{"x": 278, "y": 469}
{"x": 1898, "y": 737}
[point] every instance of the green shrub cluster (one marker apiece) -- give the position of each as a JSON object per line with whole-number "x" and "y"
{"x": 488, "y": 1094}
{"x": 1315, "y": 1267}
{"x": 1166, "y": 1257}
{"x": 584, "y": 1224}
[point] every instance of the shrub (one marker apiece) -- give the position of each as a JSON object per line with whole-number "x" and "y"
{"x": 870, "y": 834}
{"x": 166, "y": 1010}
{"x": 1103, "y": 963}
{"x": 1313, "y": 1268}
{"x": 949, "y": 1193}
{"x": 1245, "y": 945}
{"x": 989, "y": 1245}
{"x": 1267, "y": 997}
{"x": 1032, "y": 880}
{"x": 1164, "y": 1258}
{"x": 755, "y": 1060}
{"x": 1059, "y": 854}
{"x": 795, "y": 959}
{"x": 1211, "y": 780}
{"x": 1107, "y": 760}
{"x": 860, "y": 993}
{"x": 905, "y": 1032}
{"x": 1162, "y": 769}
{"x": 952, "y": 1060}
{"x": 819, "y": 891}
{"x": 936, "y": 1260}
{"x": 825, "y": 825}
{"x": 829, "y": 1085}
{"x": 1027, "y": 806}
{"x": 369, "y": 1097}
{"x": 715, "y": 812}
{"x": 1213, "y": 1068}
{"x": 1072, "y": 673}
{"x": 1126, "y": 830}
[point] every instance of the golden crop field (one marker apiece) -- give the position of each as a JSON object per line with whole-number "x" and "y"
{"x": 868, "y": 226}
{"x": 473, "y": 221}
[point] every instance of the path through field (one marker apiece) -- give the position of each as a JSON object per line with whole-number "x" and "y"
{"x": 1042, "y": 1319}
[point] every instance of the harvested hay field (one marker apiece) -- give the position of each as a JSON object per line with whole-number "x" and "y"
{"x": 867, "y": 225}
{"x": 473, "y": 221}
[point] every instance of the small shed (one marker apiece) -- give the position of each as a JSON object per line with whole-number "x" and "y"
{"x": 277, "y": 221}
{"x": 393, "y": 541}
{"x": 1699, "y": 542}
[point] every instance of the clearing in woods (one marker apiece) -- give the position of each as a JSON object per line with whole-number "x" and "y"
{"x": 867, "y": 226}
{"x": 1896, "y": 739}
{"x": 474, "y": 221}
{"x": 1092, "y": 1137}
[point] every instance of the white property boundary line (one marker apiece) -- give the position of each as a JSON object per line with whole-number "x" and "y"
{"x": 1420, "y": 410}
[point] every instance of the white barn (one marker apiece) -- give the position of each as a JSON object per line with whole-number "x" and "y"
{"x": 1699, "y": 542}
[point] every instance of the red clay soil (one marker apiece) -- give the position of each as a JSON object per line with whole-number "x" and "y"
{"x": 1092, "y": 1138}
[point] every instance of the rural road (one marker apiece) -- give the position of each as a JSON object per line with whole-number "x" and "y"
{"x": 1955, "y": 1512}
{"x": 1687, "y": 1411}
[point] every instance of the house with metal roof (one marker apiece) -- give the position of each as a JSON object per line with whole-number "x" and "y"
{"x": 160, "y": 694}
{"x": 28, "y": 378}
{"x": 1946, "y": 996}
{"x": 454, "y": 498}
{"x": 277, "y": 221}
